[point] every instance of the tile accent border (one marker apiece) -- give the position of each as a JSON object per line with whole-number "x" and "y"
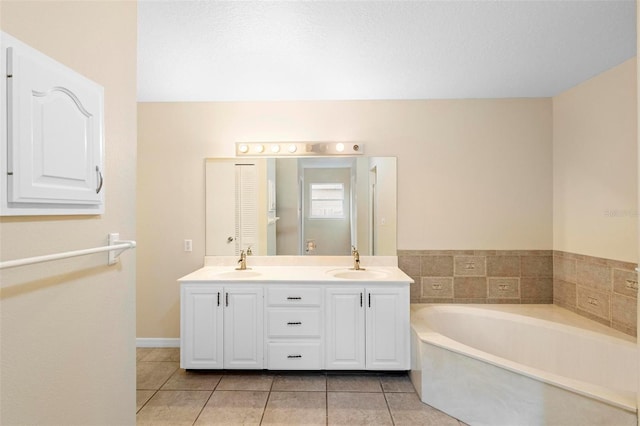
{"x": 603, "y": 290}
{"x": 479, "y": 276}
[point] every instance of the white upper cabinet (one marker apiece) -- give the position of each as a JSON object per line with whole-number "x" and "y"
{"x": 52, "y": 152}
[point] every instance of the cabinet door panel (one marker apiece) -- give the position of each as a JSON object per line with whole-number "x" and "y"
{"x": 387, "y": 329}
{"x": 55, "y": 135}
{"x": 345, "y": 329}
{"x": 243, "y": 328}
{"x": 201, "y": 328}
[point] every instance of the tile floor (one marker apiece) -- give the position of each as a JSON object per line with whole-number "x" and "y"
{"x": 168, "y": 395}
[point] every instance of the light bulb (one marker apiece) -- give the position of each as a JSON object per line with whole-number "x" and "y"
{"x": 340, "y": 147}
{"x": 292, "y": 148}
{"x": 275, "y": 148}
{"x": 259, "y": 149}
{"x": 243, "y": 148}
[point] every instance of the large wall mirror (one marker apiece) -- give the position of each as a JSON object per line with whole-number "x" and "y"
{"x": 301, "y": 206}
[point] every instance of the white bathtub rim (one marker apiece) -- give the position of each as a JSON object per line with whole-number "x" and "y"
{"x": 595, "y": 330}
{"x": 621, "y": 399}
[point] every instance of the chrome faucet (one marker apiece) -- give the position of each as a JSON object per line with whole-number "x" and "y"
{"x": 356, "y": 259}
{"x": 242, "y": 261}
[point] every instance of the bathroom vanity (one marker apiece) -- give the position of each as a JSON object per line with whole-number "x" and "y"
{"x": 305, "y": 317}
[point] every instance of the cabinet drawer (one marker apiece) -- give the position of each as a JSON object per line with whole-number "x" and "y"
{"x": 293, "y": 323}
{"x": 294, "y": 296}
{"x": 295, "y": 356}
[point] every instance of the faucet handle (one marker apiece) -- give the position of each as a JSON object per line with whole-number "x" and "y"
{"x": 249, "y": 251}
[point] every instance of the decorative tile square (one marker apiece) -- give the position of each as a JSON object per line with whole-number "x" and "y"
{"x": 597, "y": 277}
{"x": 470, "y": 287}
{"x": 564, "y": 269}
{"x": 595, "y": 302}
{"x": 536, "y": 266}
{"x": 536, "y": 288}
{"x": 564, "y": 293}
{"x": 625, "y": 282}
{"x": 470, "y": 266}
{"x": 503, "y": 288}
{"x": 624, "y": 311}
{"x": 503, "y": 266}
{"x": 437, "y": 266}
{"x": 410, "y": 265}
{"x": 437, "y": 287}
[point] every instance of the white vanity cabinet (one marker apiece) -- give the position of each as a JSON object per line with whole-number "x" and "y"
{"x": 367, "y": 328}
{"x": 293, "y": 324}
{"x": 221, "y": 327}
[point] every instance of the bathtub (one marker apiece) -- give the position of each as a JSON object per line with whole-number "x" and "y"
{"x": 522, "y": 365}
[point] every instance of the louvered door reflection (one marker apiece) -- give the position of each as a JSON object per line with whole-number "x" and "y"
{"x": 246, "y": 207}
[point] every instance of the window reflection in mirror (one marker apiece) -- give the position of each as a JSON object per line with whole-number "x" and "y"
{"x": 301, "y": 206}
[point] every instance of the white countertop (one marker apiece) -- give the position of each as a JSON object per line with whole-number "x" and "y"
{"x": 298, "y": 274}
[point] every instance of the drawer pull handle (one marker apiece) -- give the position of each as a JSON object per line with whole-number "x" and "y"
{"x": 294, "y": 323}
{"x": 294, "y": 356}
{"x": 294, "y": 298}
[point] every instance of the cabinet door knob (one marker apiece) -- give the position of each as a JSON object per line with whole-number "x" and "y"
{"x": 229, "y": 239}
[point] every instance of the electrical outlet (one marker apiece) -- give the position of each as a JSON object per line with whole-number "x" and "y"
{"x": 188, "y": 245}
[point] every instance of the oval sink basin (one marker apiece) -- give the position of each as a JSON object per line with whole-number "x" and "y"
{"x": 361, "y": 274}
{"x": 239, "y": 274}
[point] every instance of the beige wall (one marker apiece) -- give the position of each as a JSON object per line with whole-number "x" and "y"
{"x": 472, "y": 174}
{"x": 595, "y": 172}
{"x": 68, "y": 327}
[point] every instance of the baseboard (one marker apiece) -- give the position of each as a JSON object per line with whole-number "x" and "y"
{"x": 157, "y": 342}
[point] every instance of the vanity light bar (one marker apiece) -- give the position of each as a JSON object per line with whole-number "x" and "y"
{"x": 297, "y": 149}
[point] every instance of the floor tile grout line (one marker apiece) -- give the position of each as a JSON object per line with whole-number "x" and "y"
{"x": 206, "y": 402}
{"x": 147, "y": 401}
{"x": 393, "y": 422}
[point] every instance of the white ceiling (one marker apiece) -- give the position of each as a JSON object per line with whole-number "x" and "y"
{"x": 316, "y": 50}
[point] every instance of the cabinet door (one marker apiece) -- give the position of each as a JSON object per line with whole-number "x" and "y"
{"x": 55, "y": 135}
{"x": 243, "y": 328}
{"x": 345, "y": 329}
{"x": 201, "y": 327}
{"x": 387, "y": 328}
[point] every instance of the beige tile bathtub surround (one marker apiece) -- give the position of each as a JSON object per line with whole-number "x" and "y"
{"x": 601, "y": 289}
{"x": 479, "y": 276}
